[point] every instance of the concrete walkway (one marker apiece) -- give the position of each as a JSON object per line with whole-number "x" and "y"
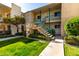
{"x": 8, "y": 38}
{"x": 54, "y": 49}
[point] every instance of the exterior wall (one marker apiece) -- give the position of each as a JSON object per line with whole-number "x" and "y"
{"x": 29, "y": 22}
{"x": 57, "y": 30}
{"x": 13, "y": 29}
{"x": 44, "y": 14}
{"x": 68, "y": 11}
{"x": 53, "y": 21}
{"x": 3, "y": 27}
{"x": 15, "y": 11}
{"x": 4, "y": 12}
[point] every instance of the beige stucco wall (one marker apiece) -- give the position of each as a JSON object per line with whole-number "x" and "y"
{"x": 29, "y": 17}
{"x": 68, "y": 11}
{"x": 44, "y": 14}
{"x": 53, "y": 21}
{"x": 3, "y": 27}
{"x": 15, "y": 11}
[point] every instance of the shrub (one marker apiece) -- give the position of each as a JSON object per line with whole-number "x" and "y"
{"x": 72, "y": 40}
{"x": 36, "y": 34}
{"x": 72, "y": 26}
{"x": 51, "y": 31}
{"x": 19, "y": 33}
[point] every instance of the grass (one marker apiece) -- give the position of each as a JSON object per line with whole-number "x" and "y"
{"x": 2, "y": 36}
{"x": 5, "y": 36}
{"x": 71, "y": 50}
{"x": 21, "y": 47}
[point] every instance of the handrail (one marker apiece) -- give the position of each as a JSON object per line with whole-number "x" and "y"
{"x": 46, "y": 18}
{"x": 42, "y": 22}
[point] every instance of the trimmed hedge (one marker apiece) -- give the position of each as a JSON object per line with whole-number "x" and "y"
{"x": 72, "y": 26}
{"x": 74, "y": 40}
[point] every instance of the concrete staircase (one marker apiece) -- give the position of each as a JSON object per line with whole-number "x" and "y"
{"x": 44, "y": 32}
{"x": 43, "y": 28}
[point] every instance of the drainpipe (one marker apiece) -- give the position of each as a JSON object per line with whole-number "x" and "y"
{"x": 40, "y": 16}
{"x": 49, "y": 17}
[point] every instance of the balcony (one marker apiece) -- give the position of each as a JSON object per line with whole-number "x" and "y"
{"x": 46, "y": 19}
{"x": 53, "y": 19}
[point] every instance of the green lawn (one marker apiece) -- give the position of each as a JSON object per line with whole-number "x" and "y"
{"x": 5, "y": 36}
{"x": 71, "y": 50}
{"x": 21, "y": 47}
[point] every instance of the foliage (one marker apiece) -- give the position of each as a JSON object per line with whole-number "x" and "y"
{"x": 7, "y": 20}
{"x": 36, "y": 34}
{"x": 19, "y": 33}
{"x": 71, "y": 50}
{"x": 74, "y": 40}
{"x": 21, "y": 47}
{"x": 72, "y": 26}
{"x": 51, "y": 31}
{"x": 15, "y": 21}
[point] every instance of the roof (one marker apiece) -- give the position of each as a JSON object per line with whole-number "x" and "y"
{"x": 44, "y": 7}
{"x": 4, "y": 7}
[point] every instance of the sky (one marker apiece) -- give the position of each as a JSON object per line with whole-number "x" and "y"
{"x": 27, "y": 6}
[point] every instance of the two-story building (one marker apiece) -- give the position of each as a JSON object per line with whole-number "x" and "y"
{"x": 4, "y": 12}
{"x": 46, "y": 17}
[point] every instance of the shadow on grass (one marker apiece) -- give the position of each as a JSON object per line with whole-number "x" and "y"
{"x": 14, "y": 40}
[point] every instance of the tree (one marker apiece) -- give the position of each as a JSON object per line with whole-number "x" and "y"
{"x": 15, "y": 20}
{"x": 72, "y": 26}
{"x": 8, "y": 20}
{"x": 18, "y": 20}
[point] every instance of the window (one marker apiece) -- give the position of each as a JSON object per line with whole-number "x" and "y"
{"x": 38, "y": 17}
{"x": 58, "y": 13}
{"x": 57, "y": 26}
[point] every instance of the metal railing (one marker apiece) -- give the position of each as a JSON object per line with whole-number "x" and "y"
{"x": 42, "y": 22}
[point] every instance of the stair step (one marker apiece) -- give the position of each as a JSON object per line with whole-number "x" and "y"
{"x": 50, "y": 35}
{"x": 53, "y": 37}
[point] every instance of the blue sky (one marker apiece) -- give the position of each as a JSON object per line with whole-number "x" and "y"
{"x": 28, "y": 6}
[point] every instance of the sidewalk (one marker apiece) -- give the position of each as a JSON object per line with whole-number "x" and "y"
{"x": 8, "y": 38}
{"x": 54, "y": 49}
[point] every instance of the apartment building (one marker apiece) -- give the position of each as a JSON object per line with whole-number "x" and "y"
{"x": 53, "y": 15}
{"x": 6, "y": 11}
{"x": 46, "y": 17}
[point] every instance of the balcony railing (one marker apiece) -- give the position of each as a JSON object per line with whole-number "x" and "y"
{"x": 46, "y": 19}
{"x": 52, "y": 18}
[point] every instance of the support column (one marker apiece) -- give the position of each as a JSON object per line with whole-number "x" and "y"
{"x": 49, "y": 17}
{"x": 40, "y": 16}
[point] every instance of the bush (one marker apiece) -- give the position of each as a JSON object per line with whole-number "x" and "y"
{"x": 72, "y": 26}
{"x": 19, "y": 33}
{"x": 51, "y": 31}
{"x": 36, "y": 34}
{"x": 74, "y": 40}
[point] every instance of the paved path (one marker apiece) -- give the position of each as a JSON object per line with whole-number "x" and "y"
{"x": 54, "y": 49}
{"x": 8, "y": 38}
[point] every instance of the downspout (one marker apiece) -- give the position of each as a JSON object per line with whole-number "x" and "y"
{"x": 49, "y": 17}
{"x": 40, "y": 16}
